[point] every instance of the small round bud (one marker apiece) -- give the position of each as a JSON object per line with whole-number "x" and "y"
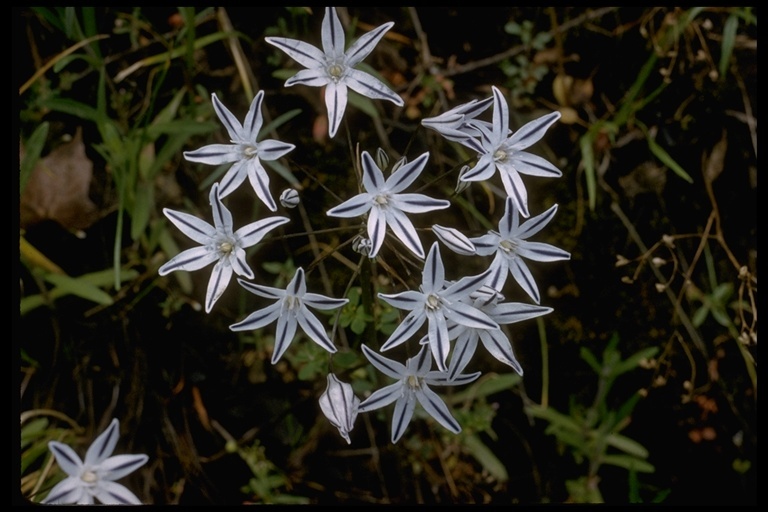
{"x": 289, "y": 198}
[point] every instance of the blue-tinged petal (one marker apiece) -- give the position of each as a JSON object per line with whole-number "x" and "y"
{"x": 436, "y": 408}
{"x": 260, "y": 182}
{"x": 433, "y": 275}
{"x": 498, "y": 346}
{"x": 407, "y": 328}
{"x": 417, "y": 203}
{"x": 234, "y": 177}
{"x": 515, "y": 188}
{"x": 267, "y": 292}
{"x": 535, "y": 224}
{"x": 523, "y": 276}
{"x": 365, "y": 44}
{"x": 214, "y": 154}
{"x": 112, "y": 493}
{"x": 511, "y": 312}
{"x": 314, "y": 329}
{"x": 386, "y": 366}
{"x": 439, "y": 342}
{"x": 538, "y": 251}
{"x": 463, "y": 350}
{"x": 271, "y": 149}
{"x": 252, "y": 233}
{"x": 222, "y": 218}
{"x": 509, "y": 222}
{"x": 403, "y": 228}
{"x": 406, "y": 174}
{"x": 253, "y": 119}
{"x": 340, "y": 405}
{"x": 237, "y": 259}
{"x": 118, "y": 466}
{"x": 373, "y": 178}
{"x": 286, "y": 329}
{"x": 441, "y": 379}
{"x": 303, "y": 53}
{"x": 352, "y": 207}
{"x": 487, "y": 244}
{"x": 370, "y": 86}
{"x": 470, "y": 316}
{"x": 258, "y": 319}
{"x": 67, "y": 459}
{"x": 446, "y": 123}
{"x": 332, "y": 34}
{"x": 336, "y": 103}
{"x": 531, "y": 132}
{"x": 454, "y": 240}
{"x": 196, "y": 229}
{"x": 533, "y": 165}
{"x": 408, "y": 300}
{"x": 499, "y": 271}
{"x": 377, "y": 227}
{"x": 68, "y": 491}
{"x": 189, "y": 260}
{"x": 317, "y": 301}
{"x": 103, "y": 446}
{"x": 230, "y": 122}
{"x": 464, "y": 286}
{"x": 402, "y": 415}
{"x": 484, "y": 169}
{"x": 500, "y": 118}
{"x": 220, "y": 276}
{"x": 420, "y": 364}
{"x": 315, "y": 77}
{"x": 382, "y": 397}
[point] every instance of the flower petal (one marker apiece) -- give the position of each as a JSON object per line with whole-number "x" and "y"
{"x": 303, "y": 53}
{"x": 531, "y": 132}
{"x": 515, "y": 188}
{"x": 487, "y": 244}
{"x": 454, "y": 240}
{"x": 436, "y": 408}
{"x": 103, "y": 446}
{"x": 403, "y": 228}
{"x": 314, "y": 329}
{"x": 252, "y": 233}
{"x": 535, "y": 224}
{"x": 263, "y": 291}
{"x": 234, "y": 177}
{"x": 470, "y": 316}
{"x": 373, "y": 178}
{"x": 407, "y": 328}
{"x": 230, "y": 122}
{"x": 370, "y": 86}
{"x": 253, "y": 119}
{"x": 336, "y": 103}
{"x": 538, "y": 251}
{"x": 222, "y": 218}
{"x": 499, "y": 347}
{"x": 237, "y": 259}
{"x": 286, "y": 329}
{"x": 386, "y": 366}
{"x": 439, "y": 342}
{"x": 214, "y": 154}
{"x": 408, "y": 300}
{"x": 500, "y": 118}
{"x": 340, "y": 405}
{"x": 352, "y": 207}
{"x": 317, "y": 301}
{"x": 499, "y": 271}
{"x": 68, "y": 491}
{"x": 332, "y": 34}
{"x": 271, "y": 149}
{"x": 112, "y": 493}
{"x": 402, "y": 415}
{"x": 381, "y": 397}
{"x": 463, "y": 350}
{"x": 511, "y": 312}
{"x": 196, "y": 229}
{"x": 260, "y": 182}
{"x": 484, "y": 169}
{"x": 377, "y": 227}
{"x": 258, "y": 319}
{"x": 365, "y": 44}
{"x": 220, "y": 276}
{"x": 533, "y": 165}
{"x": 189, "y": 260}
{"x": 66, "y": 458}
{"x": 313, "y": 77}
{"x": 433, "y": 275}
{"x": 118, "y": 466}
{"x": 418, "y": 203}
{"x": 407, "y": 174}
{"x": 523, "y": 276}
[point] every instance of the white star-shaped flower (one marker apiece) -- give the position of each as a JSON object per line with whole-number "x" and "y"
{"x": 498, "y": 150}
{"x": 245, "y": 152}
{"x": 510, "y": 246}
{"x": 218, "y": 243}
{"x": 413, "y": 380}
{"x": 290, "y": 311}
{"x": 387, "y": 205}
{"x": 334, "y": 68}
{"x": 94, "y": 477}
{"x": 437, "y": 303}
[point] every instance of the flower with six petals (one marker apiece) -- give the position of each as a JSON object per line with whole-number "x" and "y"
{"x": 334, "y": 68}
{"x": 385, "y": 203}
{"x": 245, "y": 152}
{"x": 290, "y": 311}
{"x": 94, "y": 477}
{"x": 413, "y": 381}
{"x": 218, "y": 243}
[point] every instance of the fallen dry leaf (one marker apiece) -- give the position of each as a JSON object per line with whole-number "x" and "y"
{"x": 58, "y": 188}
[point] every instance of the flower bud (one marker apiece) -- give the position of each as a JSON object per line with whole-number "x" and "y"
{"x": 339, "y": 404}
{"x": 289, "y": 198}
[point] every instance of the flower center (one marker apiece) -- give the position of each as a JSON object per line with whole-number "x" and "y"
{"x": 508, "y": 245}
{"x": 413, "y": 382}
{"x": 433, "y": 301}
{"x": 89, "y": 477}
{"x": 381, "y": 200}
{"x": 500, "y": 155}
{"x": 335, "y": 71}
{"x": 251, "y": 151}
{"x": 226, "y": 247}
{"x": 292, "y": 302}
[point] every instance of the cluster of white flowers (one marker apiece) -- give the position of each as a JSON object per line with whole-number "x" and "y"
{"x": 458, "y": 313}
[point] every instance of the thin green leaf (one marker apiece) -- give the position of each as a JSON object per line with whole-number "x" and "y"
{"x": 72, "y": 107}
{"x": 729, "y": 38}
{"x": 485, "y": 457}
{"x": 32, "y": 151}
{"x": 629, "y": 462}
{"x": 487, "y": 385}
{"x": 633, "y": 361}
{"x": 590, "y": 359}
{"x": 627, "y": 445}
{"x": 80, "y": 287}
{"x": 588, "y": 161}
{"x": 143, "y": 205}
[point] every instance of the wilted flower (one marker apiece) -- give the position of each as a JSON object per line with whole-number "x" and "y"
{"x": 387, "y": 205}
{"x": 334, "y": 68}
{"x": 94, "y": 478}
{"x": 510, "y": 246}
{"x": 340, "y": 405}
{"x": 501, "y": 151}
{"x": 459, "y": 123}
{"x": 290, "y": 311}
{"x": 289, "y": 198}
{"x": 455, "y": 240}
{"x": 244, "y": 151}
{"x": 437, "y": 302}
{"x": 219, "y": 244}
{"x": 413, "y": 380}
